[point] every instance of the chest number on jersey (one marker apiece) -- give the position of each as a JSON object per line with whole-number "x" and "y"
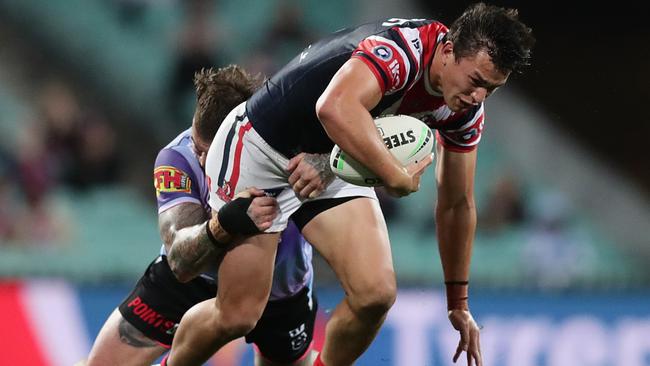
{"x": 399, "y": 21}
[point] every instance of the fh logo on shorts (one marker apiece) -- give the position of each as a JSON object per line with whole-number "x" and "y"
{"x": 298, "y": 337}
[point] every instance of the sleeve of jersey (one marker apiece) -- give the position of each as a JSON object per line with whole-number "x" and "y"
{"x": 174, "y": 180}
{"x": 387, "y": 61}
{"x": 466, "y": 137}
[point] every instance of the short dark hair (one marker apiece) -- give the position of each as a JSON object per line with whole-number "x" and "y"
{"x": 496, "y": 30}
{"x": 217, "y": 93}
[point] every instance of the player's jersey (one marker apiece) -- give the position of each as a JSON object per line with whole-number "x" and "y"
{"x": 179, "y": 178}
{"x": 397, "y": 51}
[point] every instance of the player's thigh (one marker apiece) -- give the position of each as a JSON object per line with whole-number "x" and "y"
{"x": 245, "y": 276}
{"x": 353, "y": 238}
{"x": 120, "y": 343}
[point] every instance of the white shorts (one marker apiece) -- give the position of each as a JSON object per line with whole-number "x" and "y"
{"x": 239, "y": 158}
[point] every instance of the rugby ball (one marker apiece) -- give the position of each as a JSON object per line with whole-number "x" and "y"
{"x": 406, "y": 137}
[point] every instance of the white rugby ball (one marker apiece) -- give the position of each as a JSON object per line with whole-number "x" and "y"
{"x": 406, "y": 137}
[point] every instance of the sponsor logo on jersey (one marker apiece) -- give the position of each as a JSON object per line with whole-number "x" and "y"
{"x": 148, "y": 315}
{"x": 383, "y": 52}
{"x": 169, "y": 179}
{"x": 225, "y": 192}
{"x": 394, "y": 74}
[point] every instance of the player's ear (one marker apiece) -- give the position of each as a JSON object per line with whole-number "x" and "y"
{"x": 448, "y": 48}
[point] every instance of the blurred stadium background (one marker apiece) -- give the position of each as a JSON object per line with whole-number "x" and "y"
{"x": 91, "y": 89}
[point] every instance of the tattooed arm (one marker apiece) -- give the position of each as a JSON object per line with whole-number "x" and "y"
{"x": 189, "y": 250}
{"x": 182, "y": 228}
{"x": 310, "y": 174}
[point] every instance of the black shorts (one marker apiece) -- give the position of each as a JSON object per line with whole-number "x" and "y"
{"x": 158, "y": 301}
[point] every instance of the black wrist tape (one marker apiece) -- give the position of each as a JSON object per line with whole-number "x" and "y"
{"x": 233, "y": 217}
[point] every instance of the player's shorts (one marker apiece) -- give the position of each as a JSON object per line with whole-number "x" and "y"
{"x": 239, "y": 158}
{"x": 157, "y": 303}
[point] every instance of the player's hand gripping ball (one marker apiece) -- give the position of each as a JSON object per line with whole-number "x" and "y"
{"x": 407, "y": 138}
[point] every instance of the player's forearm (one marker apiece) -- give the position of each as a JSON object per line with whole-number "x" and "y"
{"x": 353, "y": 130}
{"x": 192, "y": 250}
{"x": 455, "y": 229}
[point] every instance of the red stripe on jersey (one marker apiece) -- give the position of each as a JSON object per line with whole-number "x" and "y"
{"x": 20, "y": 345}
{"x": 387, "y": 57}
{"x": 234, "y": 177}
{"x": 374, "y": 70}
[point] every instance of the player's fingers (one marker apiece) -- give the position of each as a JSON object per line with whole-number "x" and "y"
{"x": 256, "y": 192}
{"x": 294, "y": 177}
{"x": 265, "y": 211}
{"x": 259, "y": 214}
{"x": 473, "y": 357}
{"x": 307, "y": 191}
{"x": 422, "y": 165}
{"x": 464, "y": 336}
{"x": 293, "y": 163}
{"x": 475, "y": 347}
{"x": 299, "y": 185}
{"x": 244, "y": 194}
{"x": 316, "y": 193}
{"x": 264, "y": 201}
{"x": 459, "y": 350}
{"x": 416, "y": 183}
{"x": 268, "y": 219}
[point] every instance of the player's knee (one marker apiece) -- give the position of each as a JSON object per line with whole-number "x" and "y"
{"x": 376, "y": 299}
{"x": 239, "y": 327}
{"x": 241, "y": 321}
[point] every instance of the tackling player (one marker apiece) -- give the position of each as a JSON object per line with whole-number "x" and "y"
{"x": 143, "y": 326}
{"x": 330, "y": 94}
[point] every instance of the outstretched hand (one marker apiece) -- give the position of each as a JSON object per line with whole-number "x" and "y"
{"x": 464, "y": 323}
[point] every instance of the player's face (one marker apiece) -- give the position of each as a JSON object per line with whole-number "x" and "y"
{"x": 200, "y": 147}
{"x": 468, "y": 81}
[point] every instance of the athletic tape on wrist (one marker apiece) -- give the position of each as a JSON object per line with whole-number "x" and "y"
{"x": 457, "y": 294}
{"x": 233, "y": 217}
{"x": 217, "y": 244}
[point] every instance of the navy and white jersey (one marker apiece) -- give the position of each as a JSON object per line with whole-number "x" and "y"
{"x": 397, "y": 51}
